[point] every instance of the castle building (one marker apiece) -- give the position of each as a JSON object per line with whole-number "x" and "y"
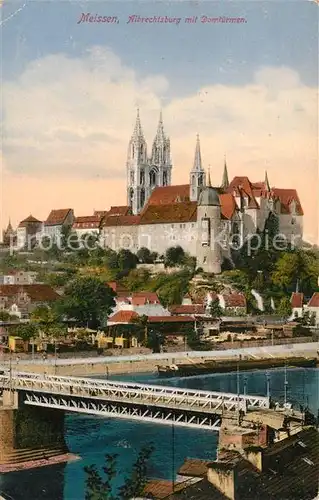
{"x": 205, "y": 220}
{"x": 197, "y": 216}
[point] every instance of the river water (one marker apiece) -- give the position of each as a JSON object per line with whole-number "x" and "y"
{"x": 93, "y": 437}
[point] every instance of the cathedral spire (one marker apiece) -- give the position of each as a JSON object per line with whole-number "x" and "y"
{"x": 160, "y": 136}
{"x": 267, "y": 185}
{"x": 225, "y": 181}
{"x": 198, "y": 157}
{"x": 138, "y": 132}
{"x": 209, "y": 182}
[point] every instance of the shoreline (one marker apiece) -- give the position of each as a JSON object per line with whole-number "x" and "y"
{"x": 105, "y": 366}
{"x": 39, "y": 463}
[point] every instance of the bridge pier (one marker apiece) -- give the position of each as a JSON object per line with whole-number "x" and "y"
{"x": 29, "y": 436}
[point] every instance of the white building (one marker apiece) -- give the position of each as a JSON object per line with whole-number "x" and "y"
{"x": 160, "y": 215}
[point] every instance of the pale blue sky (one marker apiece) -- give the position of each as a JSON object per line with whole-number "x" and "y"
{"x": 277, "y": 33}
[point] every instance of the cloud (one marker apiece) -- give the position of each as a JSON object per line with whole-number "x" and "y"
{"x": 67, "y": 122}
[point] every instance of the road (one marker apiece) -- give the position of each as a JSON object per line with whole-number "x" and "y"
{"x": 309, "y": 348}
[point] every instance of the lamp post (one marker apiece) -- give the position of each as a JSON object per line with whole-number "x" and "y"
{"x": 173, "y": 456}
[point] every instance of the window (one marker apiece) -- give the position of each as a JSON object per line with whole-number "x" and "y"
{"x": 205, "y": 223}
{"x": 142, "y": 177}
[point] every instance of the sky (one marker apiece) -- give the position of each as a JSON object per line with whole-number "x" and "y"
{"x": 70, "y": 91}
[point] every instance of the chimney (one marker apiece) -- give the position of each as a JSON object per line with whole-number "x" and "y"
{"x": 224, "y": 477}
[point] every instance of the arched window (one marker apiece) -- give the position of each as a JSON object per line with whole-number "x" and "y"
{"x": 152, "y": 178}
{"x": 142, "y": 177}
{"x": 142, "y": 197}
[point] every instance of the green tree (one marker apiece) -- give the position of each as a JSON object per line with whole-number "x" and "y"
{"x": 4, "y": 316}
{"x": 284, "y": 307}
{"x": 26, "y": 331}
{"x": 142, "y": 328}
{"x": 144, "y": 255}
{"x": 138, "y": 279}
{"x": 101, "y": 488}
{"x": 126, "y": 260}
{"x": 174, "y": 256}
{"x": 215, "y": 310}
{"x": 300, "y": 266}
{"x": 88, "y": 300}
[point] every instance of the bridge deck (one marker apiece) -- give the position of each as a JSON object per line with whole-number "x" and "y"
{"x": 127, "y": 399}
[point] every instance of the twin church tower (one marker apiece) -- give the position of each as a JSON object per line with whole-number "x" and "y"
{"x": 144, "y": 172}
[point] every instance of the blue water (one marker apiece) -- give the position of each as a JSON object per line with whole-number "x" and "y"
{"x": 93, "y": 437}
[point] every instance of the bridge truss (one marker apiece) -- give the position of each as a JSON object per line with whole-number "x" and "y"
{"x": 185, "y": 407}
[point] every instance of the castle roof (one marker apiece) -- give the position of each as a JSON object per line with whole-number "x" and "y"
{"x": 209, "y": 197}
{"x": 120, "y": 210}
{"x": 87, "y": 221}
{"x": 169, "y": 194}
{"x": 169, "y": 213}
{"x": 57, "y": 217}
{"x": 29, "y": 220}
{"x": 286, "y": 197}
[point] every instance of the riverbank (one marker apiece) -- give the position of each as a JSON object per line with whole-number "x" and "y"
{"x": 148, "y": 363}
{"x": 35, "y": 464}
{"x": 189, "y": 370}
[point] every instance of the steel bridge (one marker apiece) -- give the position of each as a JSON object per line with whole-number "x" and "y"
{"x": 144, "y": 402}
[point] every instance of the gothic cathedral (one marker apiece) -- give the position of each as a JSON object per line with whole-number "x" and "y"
{"x": 145, "y": 173}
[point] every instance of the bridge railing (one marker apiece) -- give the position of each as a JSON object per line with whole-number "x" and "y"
{"x": 140, "y": 394}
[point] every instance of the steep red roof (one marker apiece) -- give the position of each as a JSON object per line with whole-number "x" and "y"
{"x": 121, "y": 220}
{"x": 228, "y": 205}
{"x": 87, "y": 221}
{"x": 286, "y": 196}
{"x": 314, "y": 301}
{"x": 123, "y": 317}
{"x": 142, "y": 298}
{"x": 121, "y": 210}
{"x": 29, "y": 220}
{"x": 168, "y": 195}
{"x": 243, "y": 187}
{"x": 187, "y": 309}
{"x": 36, "y": 292}
{"x": 57, "y": 217}
{"x": 174, "y": 212}
{"x": 100, "y": 213}
{"x": 296, "y": 299}
{"x": 258, "y": 189}
{"x": 235, "y": 300}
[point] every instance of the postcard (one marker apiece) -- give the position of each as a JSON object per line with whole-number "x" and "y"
{"x": 159, "y": 198}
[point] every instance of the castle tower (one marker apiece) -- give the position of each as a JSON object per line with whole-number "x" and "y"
{"x": 197, "y": 174}
{"x": 136, "y": 167}
{"x": 208, "y": 223}
{"x": 160, "y": 163}
{"x": 225, "y": 181}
